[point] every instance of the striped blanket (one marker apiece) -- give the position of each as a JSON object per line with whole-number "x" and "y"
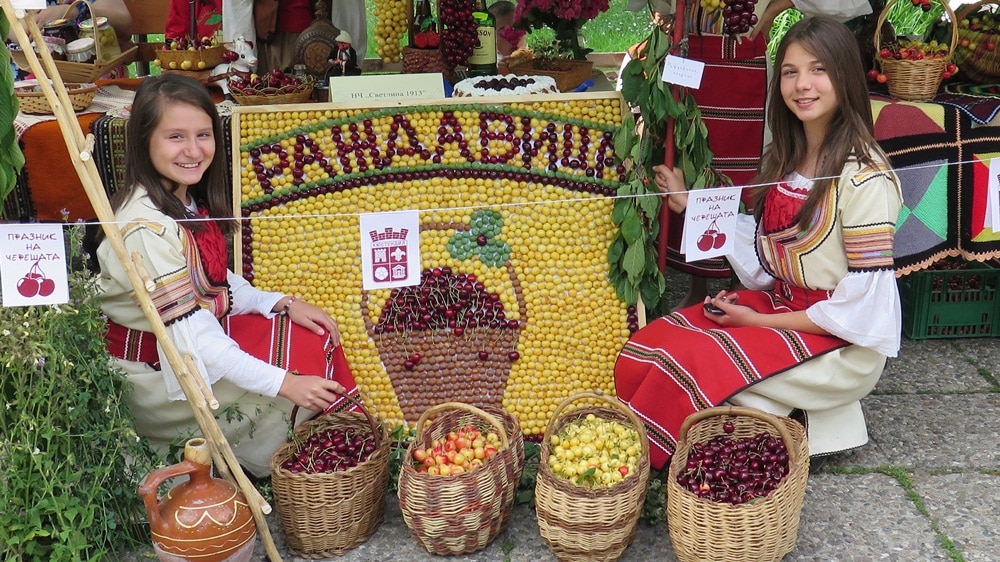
{"x": 663, "y": 386}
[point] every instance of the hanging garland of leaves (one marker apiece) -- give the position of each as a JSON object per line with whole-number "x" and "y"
{"x": 633, "y": 252}
{"x": 11, "y": 158}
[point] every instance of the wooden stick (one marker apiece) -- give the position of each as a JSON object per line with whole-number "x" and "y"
{"x": 77, "y": 146}
{"x": 205, "y": 390}
{"x": 669, "y": 147}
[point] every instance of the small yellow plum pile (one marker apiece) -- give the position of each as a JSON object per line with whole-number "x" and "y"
{"x": 595, "y": 452}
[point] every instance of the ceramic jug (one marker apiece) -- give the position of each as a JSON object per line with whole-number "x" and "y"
{"x": 205, "y": 519}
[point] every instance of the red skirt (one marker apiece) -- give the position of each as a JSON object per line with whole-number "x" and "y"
{"x": 684, "y": 362}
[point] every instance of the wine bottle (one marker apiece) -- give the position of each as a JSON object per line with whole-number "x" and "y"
{"x": 483, "y": 61}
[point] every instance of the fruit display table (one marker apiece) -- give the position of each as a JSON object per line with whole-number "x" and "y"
{"x": 515, "y": 307}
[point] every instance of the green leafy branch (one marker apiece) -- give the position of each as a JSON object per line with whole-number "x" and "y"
{"x": 633, "y": 252}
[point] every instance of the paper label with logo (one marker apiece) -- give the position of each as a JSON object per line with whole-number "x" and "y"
{"x": 390, "y": 249}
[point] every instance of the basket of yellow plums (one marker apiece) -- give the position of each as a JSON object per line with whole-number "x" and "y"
{"x": 592, "y": 477}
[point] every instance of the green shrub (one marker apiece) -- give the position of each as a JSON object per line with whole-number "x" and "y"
{"x": 70, "y": 461}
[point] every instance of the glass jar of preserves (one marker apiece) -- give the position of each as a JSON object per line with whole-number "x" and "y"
{"x": 100, "y": 30}
{"x": 62, "y": 28}
{"x": 81, "y": 50}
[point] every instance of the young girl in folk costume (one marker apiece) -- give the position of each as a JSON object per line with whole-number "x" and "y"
{"x": 823, "y": 312}
{"x": 246, "y": 343}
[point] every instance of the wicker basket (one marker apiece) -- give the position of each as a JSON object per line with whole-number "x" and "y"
{"x": 763, "y": 530}
{"x": 80, "y": 72}
{"x": 201, "y": 59}
{"x": 273, "y": 96}
{"x": 462, "y": 513}
{"x": 571, "y": 74}
{"x": 32, "y": 100}
{"x": 981, "y": 64}
{"x": 590, "y": 524}
{"x": 913, "y": 80}
{"x": 327, "y": 514}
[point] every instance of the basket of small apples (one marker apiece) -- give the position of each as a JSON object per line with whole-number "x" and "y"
{"x": 185, "y": 53}
{"x": 459, "y": 477}
{"x": 273, "y": 87}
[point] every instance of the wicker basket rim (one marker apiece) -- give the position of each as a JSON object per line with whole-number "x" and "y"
{"x": 967, "y": 9}
{"x": 885, "y": 12}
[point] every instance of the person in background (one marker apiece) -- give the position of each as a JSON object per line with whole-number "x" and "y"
{"x": 286, "y": 19}
{"x": 115, "y": 10}
{"x": 174, "y": 214}
{"x": 822, "y": 311}
{"x": 208, "y": 18}
{"x": 509, "y": 39}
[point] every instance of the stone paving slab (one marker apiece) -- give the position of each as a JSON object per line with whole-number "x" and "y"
{"x": 965, "y": 509}
{"x": 863, "y": 517}
{"x": 935, "y": 366}
{"x": 845, "y": 517}
{"x": 941, "y": 431}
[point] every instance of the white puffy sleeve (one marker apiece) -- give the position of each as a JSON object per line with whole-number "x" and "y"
{"x": 864, "y": 308}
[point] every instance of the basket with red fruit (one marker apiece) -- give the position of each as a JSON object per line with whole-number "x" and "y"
{"x": 459, "y": 477}
{"x": 274, "y": 87}
{"x": 735, "y": 486}
{"x": 592, "y": 478}
{"x": 913, "y": 70}
{"x": 329, "y": 481}
{"x": 977, "y": 55}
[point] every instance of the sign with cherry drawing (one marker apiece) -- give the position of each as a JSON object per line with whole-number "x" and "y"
{"x": 390, "y": 249}
{"x": 709, "y": 222}
{"x": 33, "y": 265}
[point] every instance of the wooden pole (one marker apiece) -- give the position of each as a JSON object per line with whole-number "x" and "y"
{"x": 79, "y": 148}
{"x": 669, "y": 148}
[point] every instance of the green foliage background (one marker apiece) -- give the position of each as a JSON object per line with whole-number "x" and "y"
{"x": 70, "y": 460}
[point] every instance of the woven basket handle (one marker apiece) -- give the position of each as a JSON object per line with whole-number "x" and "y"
{"x": 93, "y": 19}
{"x": 371, "y": 420}
{"x": 793, "y": 453}
{"x": 613, "y": 402}
{"x": 962, "y": 13}
{"x": 885, "y": 13}
{"x": 429, "y": 413}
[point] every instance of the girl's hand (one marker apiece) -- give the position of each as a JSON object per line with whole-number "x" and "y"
{"x": 671, "y": 181}
{"x": 314, "y": 318}
{"x": 312, "y": 393}
{"x": 733, "y": 314}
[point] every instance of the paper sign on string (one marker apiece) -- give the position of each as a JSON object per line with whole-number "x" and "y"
{"x": 28, "y": 4}
{"x": 710, "y": 222}
{"x": 33, "y": 269}
{"x": 682, "y": 71}
{"x": 992, "y": 218}
{"x": 390, "y": 249}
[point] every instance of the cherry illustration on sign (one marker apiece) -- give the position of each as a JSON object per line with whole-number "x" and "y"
{"x": 711, "y": 238}
{"x": 35, "y": 283}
